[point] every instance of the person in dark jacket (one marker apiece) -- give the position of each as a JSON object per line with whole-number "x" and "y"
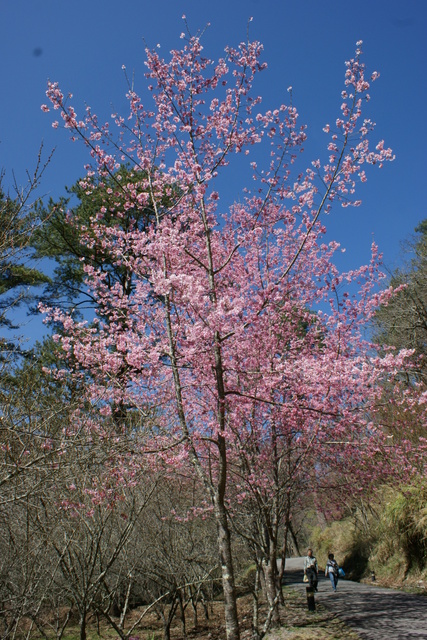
{"x": 310, "y": 569}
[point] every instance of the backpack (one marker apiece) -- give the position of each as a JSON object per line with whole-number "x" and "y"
{"x": 334, "y": 565}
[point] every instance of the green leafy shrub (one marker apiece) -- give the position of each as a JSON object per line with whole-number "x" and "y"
{"x": 351, "y": 549}
{"x": 402, "y": 530}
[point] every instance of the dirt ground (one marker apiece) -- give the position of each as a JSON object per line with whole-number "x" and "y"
{"x": 297, "y": 623}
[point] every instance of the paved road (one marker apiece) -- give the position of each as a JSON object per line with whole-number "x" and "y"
{"x": 373, "y": 612}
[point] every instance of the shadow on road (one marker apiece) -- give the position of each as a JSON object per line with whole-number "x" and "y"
{"x": 380, "y": 613}
{"x": 375, "y": 613}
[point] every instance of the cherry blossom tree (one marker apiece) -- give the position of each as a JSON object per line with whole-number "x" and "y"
{"x": 240, "y": 335}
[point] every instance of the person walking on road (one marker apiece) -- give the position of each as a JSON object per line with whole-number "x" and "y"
{"x": 332, "y": 570}
{"x": 310, "y": 569}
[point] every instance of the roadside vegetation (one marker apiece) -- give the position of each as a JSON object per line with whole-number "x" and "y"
{"x": 387, "y": 537}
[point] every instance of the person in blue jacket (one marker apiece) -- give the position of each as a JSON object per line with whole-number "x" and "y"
{"x": 332, "y": 570}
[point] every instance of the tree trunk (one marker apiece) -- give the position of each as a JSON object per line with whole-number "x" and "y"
{"x": 270, "y": 575}
{"x": 182, "y": 612}
{"x": 283, "y": 560}
{"x": 195, "y": 612}
{"x": 83, "y": 626}
{"x": 224, "y": 546}
{"x": 255, "y": 613}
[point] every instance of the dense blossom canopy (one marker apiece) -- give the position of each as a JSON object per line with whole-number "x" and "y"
{"x": 239, "y": 334}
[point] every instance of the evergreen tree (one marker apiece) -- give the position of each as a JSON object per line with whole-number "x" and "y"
{"x": 402, "y": 323}
{"x": 17, "y": 275}
{"x": 123, "y": 205}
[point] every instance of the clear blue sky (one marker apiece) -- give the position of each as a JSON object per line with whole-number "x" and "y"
{"x": 83, "y": 45}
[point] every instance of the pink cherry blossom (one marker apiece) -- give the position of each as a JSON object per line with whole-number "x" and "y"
{"x": 240, "y": 334}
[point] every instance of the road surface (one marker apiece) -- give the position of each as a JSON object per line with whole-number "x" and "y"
{"x": 375, "y": 613}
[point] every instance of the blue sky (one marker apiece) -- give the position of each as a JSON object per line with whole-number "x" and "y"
{"x": 84, "y": 44}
